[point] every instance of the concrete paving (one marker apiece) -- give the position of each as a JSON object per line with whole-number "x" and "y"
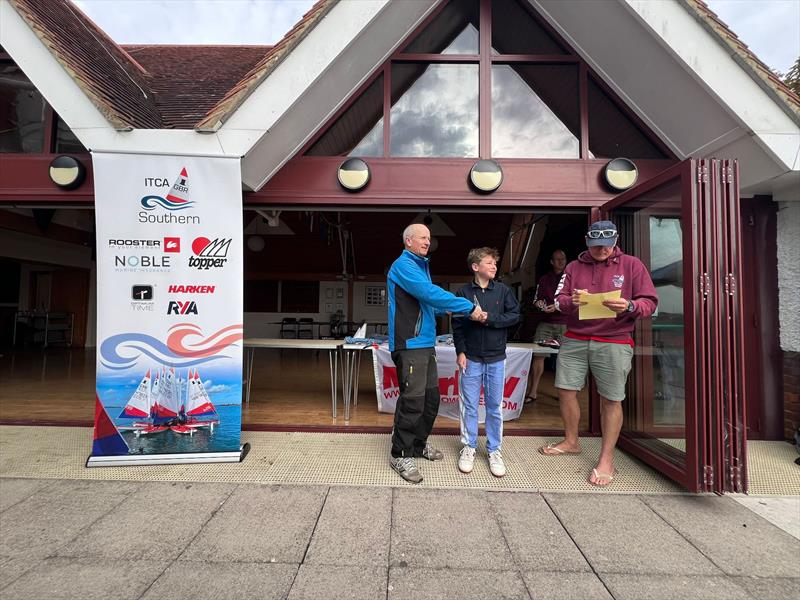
{"x": 102, "y": 539}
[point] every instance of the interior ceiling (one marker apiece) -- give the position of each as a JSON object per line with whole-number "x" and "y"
{"x": 376, "y": 241}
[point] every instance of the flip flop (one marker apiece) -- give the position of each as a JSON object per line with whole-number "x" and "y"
{"x": 608, "y": 477}
{"x": 551, "y": 450}
{"x": 530, "y": 399}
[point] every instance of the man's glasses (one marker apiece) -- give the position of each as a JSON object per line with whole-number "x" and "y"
{"x": 601, "y": 233}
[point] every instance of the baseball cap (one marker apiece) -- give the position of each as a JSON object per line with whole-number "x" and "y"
{"x": 601, "y": 233}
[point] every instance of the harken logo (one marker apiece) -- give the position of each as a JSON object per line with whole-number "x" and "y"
{"x": 191, "y": 289}
{"x": 209, "y": 253}
{"x": 178, "y": 307}
{"x": 172, "y": 244}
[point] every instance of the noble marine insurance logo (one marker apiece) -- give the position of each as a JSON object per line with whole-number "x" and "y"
{"x": 176, "y": 200}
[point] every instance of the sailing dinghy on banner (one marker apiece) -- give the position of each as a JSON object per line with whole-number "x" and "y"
{"x": 163, "y": 406}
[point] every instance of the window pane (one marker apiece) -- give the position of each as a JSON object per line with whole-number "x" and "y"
{"x": 66, "y": 141}
{"x": 300, "y": 296}
{"x": 515, "y": 31}
{"x": 21, "y": 112}
{"x": 452, "y": 31}
{"x": 260, "y": 296}
{"x": 535, "y": 111}
{"x": 434, "y": 110}
{"x": 359, "y": 131}
{"x": 611, "y": 131}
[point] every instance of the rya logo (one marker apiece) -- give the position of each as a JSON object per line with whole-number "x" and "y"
{"x": 209, "y": 253}
{"x": 178, "y": 307}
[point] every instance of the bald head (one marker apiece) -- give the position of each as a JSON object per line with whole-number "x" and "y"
{"x": 417, "y": 239}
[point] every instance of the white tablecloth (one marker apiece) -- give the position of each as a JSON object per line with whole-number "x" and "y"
{"x": 518, "y": 360}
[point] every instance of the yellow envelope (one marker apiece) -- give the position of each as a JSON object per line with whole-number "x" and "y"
{"x": 594, "y": 309}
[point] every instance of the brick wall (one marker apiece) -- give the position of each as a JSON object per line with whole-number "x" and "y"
{"x": 791, "y": 393}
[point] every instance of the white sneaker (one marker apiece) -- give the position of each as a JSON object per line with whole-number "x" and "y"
{"x": 466, "y": 459}
{"x": 496, "y": 464}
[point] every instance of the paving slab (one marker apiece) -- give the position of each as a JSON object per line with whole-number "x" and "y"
{"x": 769, "y": 588}
{"x": 353, "y": 528}
{"x": 323, "y": 582}
{"x": 781, "y": 511}
{"x": 563, "y": 586}
{"x": 13, "y": 491}
{"x": 455, "y": 584}
{"x": 446, "y": 528}
{"x": 536, "y": 538}
{"x": 218, "y": 581}
{"x": 661, "y": 587}
{"x": 737, "y": 540}
{"x": 621, "y": 534}
{"x": 88, "y": 579}
{"x": 260, "y": 523}
{"x": 47, "y": 521}
{"x": 155, "y": 522}
{"x": 12, "y": 567}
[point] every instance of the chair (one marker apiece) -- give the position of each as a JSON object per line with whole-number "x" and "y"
{"x": 305, "y": 328}
{"x": 289, "y": 328}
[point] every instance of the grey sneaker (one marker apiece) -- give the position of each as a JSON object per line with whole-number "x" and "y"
{"x": 496, "y": 464}
{"x": 406, "y": 468}
{"x": 466, "y": 459}
{"x": 431, "y": 453}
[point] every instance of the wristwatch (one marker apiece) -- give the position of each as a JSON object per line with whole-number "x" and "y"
{"x": 630, "y": 306}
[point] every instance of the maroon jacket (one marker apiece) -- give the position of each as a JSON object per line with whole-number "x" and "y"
{"x": 620, "y": 271}
{"x": 546, "y": 290}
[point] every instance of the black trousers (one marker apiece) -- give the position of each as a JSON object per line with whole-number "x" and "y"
{"x": 418, "y": 403}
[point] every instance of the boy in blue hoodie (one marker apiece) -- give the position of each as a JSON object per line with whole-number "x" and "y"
{"x": 481, "y": 356}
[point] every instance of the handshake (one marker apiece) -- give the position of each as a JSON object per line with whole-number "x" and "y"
{"x": 479, "y": 315}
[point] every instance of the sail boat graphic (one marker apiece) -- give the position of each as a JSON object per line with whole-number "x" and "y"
{"x": 166, "y": 401}
{"x": 177, "y": 198}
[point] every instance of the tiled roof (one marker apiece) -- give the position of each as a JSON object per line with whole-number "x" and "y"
{"x": 237, "y": 94}
{"x": 746, "y": 58}
{"x": 106, "y": 74}
{"x": 189, "y": 80}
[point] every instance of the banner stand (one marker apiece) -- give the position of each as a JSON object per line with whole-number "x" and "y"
{"x": 140, "y": 460}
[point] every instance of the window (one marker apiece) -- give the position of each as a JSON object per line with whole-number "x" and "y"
{"x": 299, "y": 296}
{"x": 498, "y": 52}
{"x": 22, "y": 112}
{"x": 260, "y": 296}
{"x": 375, "y": 295}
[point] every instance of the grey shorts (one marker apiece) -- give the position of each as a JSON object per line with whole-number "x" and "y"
{"x": 609, "y": 363}
{"x": 549, "y": 331}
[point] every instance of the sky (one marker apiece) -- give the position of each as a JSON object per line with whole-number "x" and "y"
{"x": 771, "y": 28}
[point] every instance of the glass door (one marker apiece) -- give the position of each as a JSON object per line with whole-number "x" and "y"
{"x": 683, "y": 406}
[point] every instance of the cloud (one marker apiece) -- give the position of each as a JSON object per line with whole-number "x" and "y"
{"x": 238, "y": 22}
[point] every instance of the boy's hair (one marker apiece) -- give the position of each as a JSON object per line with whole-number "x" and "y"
{"x": 476, "y": 255}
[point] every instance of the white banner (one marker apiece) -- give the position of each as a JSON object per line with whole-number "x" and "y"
{"x": 518, "y": 361}
{"x": 169, "y": 304}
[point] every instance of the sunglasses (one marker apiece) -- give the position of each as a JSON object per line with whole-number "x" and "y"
{"x": 601, "y": 233}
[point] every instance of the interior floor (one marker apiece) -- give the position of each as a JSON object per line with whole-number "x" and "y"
{"x": 290, "y": 389}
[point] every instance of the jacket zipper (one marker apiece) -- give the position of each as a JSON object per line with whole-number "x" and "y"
{"x": 418, "y": 326}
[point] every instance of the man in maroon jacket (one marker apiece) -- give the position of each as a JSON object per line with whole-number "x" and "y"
{"x": 553, "y": 325}
{"x": 602, "y": 346}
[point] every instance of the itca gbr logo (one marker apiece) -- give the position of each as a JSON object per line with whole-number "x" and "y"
{"x": 178, "y": 307}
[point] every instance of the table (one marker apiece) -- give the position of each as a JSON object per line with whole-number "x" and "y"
{"x": 517, "y": 366}
{"x": 332, "y": 346}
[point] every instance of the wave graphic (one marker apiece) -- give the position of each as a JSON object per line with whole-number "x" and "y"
{"x": 153, "y": 202}
{"x": 121, "y": 351}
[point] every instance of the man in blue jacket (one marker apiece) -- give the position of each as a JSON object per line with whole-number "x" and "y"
{"x": 414, "y": 303}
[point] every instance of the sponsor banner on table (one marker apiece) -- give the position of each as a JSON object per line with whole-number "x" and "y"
{"x": 169, "y": 304}
{"x": 387, "y": 386}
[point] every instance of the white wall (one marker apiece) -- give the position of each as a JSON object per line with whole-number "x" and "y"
{"x": 789, "y": 275}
